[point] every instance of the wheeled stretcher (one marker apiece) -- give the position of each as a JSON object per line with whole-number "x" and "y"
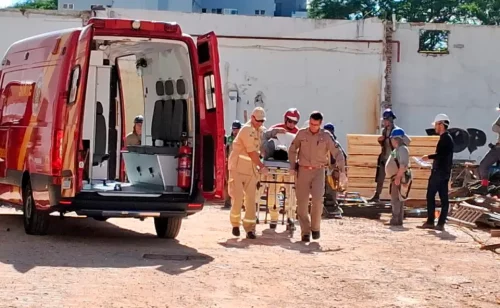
{"x": 276, "y": 195}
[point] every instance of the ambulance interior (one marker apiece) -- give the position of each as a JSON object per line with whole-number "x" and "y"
{"x": 155, "y": 80}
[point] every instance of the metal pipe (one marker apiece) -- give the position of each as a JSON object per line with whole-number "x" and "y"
{"x": 307, "y": 39}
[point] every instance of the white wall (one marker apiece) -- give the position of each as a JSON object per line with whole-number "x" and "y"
{"x": 341, "y": 79}
{"x": 463, "y": 84}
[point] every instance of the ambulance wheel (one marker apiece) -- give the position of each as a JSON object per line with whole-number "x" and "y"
{"x": 36, "y": 222}
{"x": 168, "y": 227}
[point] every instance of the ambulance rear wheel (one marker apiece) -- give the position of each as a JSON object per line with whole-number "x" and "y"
{"x": 36, "y": 222}
{"x": 168, "y": 227}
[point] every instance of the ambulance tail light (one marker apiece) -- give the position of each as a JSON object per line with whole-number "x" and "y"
{"x": 57, "y": 153}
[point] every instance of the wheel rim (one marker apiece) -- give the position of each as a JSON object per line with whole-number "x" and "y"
{"x": 28, "y": 210}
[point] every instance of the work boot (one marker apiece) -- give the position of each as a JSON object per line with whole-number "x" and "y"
{"x": 483, "y": 190}
{"x": 439, "y": 227}
{"x": 273, "y": 225}
{"x": 315, "y": 235}
{"x": 427, "y": 225}
{"x": 251, "y": 235}
{"x": 227, "y": 204}
{"x": 236, "y": 231}
{"x": 306, "y": 238}
{"x": 375, "y": 198}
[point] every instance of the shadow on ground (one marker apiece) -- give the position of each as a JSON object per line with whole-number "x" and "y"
{"x": 86, "y": 243}
{"x": 281, "y": 239}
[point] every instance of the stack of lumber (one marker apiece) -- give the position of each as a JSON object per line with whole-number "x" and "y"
{"x": 363, "y": 151}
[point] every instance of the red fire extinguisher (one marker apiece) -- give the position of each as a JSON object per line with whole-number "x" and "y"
{"x": 184, "y": 160}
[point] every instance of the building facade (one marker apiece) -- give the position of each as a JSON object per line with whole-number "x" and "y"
{"x": 286, "y": 8}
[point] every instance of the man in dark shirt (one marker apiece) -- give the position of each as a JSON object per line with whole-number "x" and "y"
{"x": 440, "y": 174}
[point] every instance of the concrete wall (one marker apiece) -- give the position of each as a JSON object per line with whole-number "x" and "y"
{"x": 463, "y": 84}
{"x": 342, "y": 79}
{"x": 244, "y": 7}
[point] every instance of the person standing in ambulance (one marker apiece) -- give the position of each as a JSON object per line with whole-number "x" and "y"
{"x": 134, "y": 138}
{"x": 244, "y": 166}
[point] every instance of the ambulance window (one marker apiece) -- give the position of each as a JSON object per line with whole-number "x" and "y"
{"x": 210, "y": 92}
{"x": 203, "y": 53}
{"x": 73, "y": 86}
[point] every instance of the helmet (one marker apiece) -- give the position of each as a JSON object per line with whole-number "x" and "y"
{"x": 236, "y": 124}
{"x": 441, "y": 118}
{"x": 397, "y": 133}
{"x": 388, "y": 114}
{"x": 292, "y": 114}
{"x": 138, "y": 119}
{"x": 329, "y": 127}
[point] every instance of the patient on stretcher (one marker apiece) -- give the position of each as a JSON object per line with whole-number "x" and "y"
{"x": 276, "y": 148}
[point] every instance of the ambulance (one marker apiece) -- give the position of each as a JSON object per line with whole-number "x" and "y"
{"x": 68, "y": 100}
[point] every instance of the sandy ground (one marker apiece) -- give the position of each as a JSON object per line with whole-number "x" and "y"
{"x": 357, "y": 263}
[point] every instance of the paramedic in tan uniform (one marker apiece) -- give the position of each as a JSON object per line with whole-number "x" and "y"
{"x": 313, "y": 145}
{"x": 134, "y": 138}
{"x": 244, "y": 166}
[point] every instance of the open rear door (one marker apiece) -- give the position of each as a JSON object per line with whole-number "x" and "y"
{"x": 68, "y": 137}
{"x": 211, "y": 109}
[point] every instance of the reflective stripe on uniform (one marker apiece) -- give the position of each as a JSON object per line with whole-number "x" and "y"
{"x": 245, "y": 157}
{"x": 250, "y": 221}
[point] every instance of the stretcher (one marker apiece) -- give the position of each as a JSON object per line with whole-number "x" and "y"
{"x": 276, "y": 193}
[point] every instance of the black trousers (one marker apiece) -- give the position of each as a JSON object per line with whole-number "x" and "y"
{"x": 438, "y": 183}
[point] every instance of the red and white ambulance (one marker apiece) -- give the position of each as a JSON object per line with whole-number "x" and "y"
{"x": 66, "y": 97}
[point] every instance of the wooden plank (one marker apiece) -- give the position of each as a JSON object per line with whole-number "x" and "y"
{"x": 367, "y": 172}
{"x": 416, "y": 141}
{"x": 370, "y": 183}
{"x": 495, "y": 233}
{"x": 371, "y": 162}
{"x": 354, "y": 149}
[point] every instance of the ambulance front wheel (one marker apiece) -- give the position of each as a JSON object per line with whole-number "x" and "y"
{"x": 36, "y": 222}
{"x": 168, "y": 227}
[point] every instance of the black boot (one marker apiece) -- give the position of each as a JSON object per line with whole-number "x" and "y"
{"x": 251, "y": 235}
{"x": 315, "y": 235}
{"x": 306, "y": 238}
{"x": 375, "y": 198}
{"x": 236, "y": 231}
{"x": 273, "y": 225}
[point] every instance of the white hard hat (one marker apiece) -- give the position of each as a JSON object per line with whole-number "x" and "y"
{"x": 441, "y": 118}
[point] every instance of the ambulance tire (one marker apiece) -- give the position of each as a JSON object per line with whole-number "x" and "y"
{"x": 168, "y": 227}
{"x": 36, "y": 222}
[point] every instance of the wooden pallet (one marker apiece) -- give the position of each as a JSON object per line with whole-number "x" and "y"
{"x": 466, "y": 214}
{"x": 363, "y": 152}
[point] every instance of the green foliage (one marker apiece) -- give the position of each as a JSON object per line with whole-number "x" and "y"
{"x": 37, "y": 4}
{"x": 436, "y": 11}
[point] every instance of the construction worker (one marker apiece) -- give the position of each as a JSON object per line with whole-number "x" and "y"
{"x": 388, "y": 118}
{"x": 134, "y": 138}
{"x": 331, "y": 204}
{"x": 490, "y": 158}
{"x": 291, "y": 118}
{"x": 235, "y": 128}
{"x": 244, "y": 165}
{"x": 440, "y": 174}
{"x": 309, "y": 150}
{"x": 396, "y": 169}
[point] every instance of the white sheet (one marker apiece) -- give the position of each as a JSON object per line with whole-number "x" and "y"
{"x": 284, "y": 139}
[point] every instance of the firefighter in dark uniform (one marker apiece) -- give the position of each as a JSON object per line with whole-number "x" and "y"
{"x": 332, "y": 180}
{"x": 235, "y": 128}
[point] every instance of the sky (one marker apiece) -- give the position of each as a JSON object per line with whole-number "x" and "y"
{"x": 5, "y": 3}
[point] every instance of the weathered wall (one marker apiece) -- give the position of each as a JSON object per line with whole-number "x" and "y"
{"x": 463, "y": 84}
{"x": 342, "y": 79}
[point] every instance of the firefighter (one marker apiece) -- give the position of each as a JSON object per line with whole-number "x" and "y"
{"x": 490, "y": 158}
{"x": 291, "y": 118}
{"x": 309, "y": 150}
{"x": 235, "y": 128}
{"x": 134, "y": 138}
{"x": 331, "y": 204}
{"x": 244, "y": 164}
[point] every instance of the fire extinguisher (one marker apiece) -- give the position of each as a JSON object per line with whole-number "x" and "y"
{"x": 184, "y": 160}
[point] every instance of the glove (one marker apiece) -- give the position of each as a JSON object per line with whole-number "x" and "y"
{"x": 343, "y": 180}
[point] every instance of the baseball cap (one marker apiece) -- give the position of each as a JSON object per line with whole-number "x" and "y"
{"x": 259, "y": 114}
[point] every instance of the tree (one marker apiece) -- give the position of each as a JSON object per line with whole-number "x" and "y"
{"x": 37, "y": 4}
{"x": 433, "y": 11}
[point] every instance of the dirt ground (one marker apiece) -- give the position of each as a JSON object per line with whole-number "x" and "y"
{"x": 357, "y": 263}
